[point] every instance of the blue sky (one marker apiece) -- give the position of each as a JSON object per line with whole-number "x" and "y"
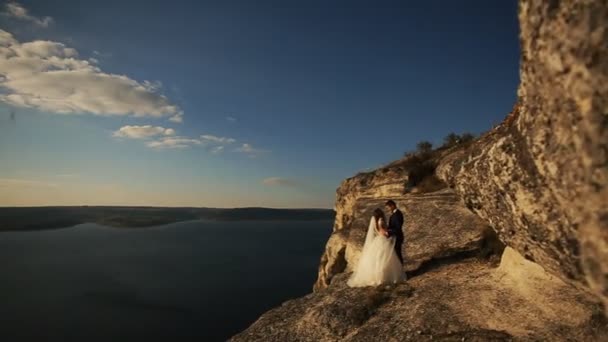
{"x": 279, "y": 101}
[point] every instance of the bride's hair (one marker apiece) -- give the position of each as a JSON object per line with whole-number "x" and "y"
{"x": 379, "y": 214}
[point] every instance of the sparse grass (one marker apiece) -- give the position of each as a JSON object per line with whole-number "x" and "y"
{"x": 431, "y": 184}
{"x": 422, "y": 163}
{"x": 453, "y": 139}
{"x": 419, "y": 165}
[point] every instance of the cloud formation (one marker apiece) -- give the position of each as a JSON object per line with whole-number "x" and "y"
{"x": 278, "y": 181}
{"x": 158, "y": 137}
{"x": 249, "y": 150}
{"x": 217, "y": 149}
{"x": 49, "y": 76}
{"x": 177, "y": 118}
{"x": 17, "y": 11}
{"x": 216, "y": 139}
{"x": 142, "y": 132}
{"x": 173, "y": 143}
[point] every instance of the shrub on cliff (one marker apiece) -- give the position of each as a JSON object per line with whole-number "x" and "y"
{"x": 466, "y": 138}
{"x": 421, "y": 163}
{"x": 420, "y": 166}
{"x": 454, "y": 139}
{"x": 420, "y": 170}
{"x": 424, "y": 146}
{"x": 430, "y": 183}
{"x": 451, "y": 140}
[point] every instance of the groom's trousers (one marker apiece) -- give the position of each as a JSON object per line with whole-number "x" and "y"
{"x": 398, "y": 244}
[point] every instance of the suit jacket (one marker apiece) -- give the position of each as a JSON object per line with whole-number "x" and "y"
{"x": 395, "y": 224}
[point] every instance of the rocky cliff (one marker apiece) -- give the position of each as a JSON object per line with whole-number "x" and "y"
{"x": 511, "y": 240}
{"x": 463, "y": 282}
{"x": 540, "y": 179}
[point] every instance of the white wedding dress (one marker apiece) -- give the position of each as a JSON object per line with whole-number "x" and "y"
{"x": 378, "y": 263}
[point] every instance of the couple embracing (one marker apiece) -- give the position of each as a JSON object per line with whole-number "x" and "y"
{"x": 381, "y": 261}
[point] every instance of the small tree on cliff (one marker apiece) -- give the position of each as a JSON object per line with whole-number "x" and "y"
{"x": 424, "y": 146}
{"x": 451, "y": 140}
{"x": 466, "y": 138}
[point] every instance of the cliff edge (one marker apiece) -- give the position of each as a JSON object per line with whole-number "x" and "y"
{"x": 507, "y": 235}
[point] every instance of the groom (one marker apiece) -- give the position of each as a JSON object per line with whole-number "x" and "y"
{"x": 395, "y": 224}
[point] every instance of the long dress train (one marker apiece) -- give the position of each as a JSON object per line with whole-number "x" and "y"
{"x": 378, "y": 263}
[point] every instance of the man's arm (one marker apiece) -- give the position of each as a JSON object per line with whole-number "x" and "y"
{"x": 400, "y": 219}
{"x": 395, "y": 224}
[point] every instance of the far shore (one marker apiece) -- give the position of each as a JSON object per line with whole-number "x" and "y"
{"x": 42, "y": 218}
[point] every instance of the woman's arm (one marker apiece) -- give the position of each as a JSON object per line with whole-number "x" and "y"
{"x": 382, "y": 227}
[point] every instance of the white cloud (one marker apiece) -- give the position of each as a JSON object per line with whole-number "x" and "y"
{"x": 178, "y": 118}
{"x": 216, "y": 139}
{"x": 51, "y": 77}
{"x": 142, "y": 132}
{"x": 102, "y": 54}
{"x": 231, "y": 119}
{"x": 274, "y": 181}
{"x": 217, "y": 149}
{"x": 158, "y": 137}
{"x": 17, "y": 11}
{"x": 173, "y": 142}
{"x": 250, "y": 150}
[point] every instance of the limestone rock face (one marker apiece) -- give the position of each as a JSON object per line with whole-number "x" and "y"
{"x": 537, "y": 182}
{"x": 437, "y": 226}
{"x": 377, "y": 184}
{"x": 540, "y": 178}
{"x": 384, "y": 183}
{"x": 469, "y": 300}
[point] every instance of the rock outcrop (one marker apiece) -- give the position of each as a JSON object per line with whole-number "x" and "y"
{"x": 438, "y": 226}
{"x": 469, "y": 300}
{"x": 540, "y": 179}
{"x": 514, "y": 245}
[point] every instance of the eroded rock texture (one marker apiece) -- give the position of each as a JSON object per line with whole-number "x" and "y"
{"x": 437, "y": 226}
{"x": 469, "y": 300}
{"x": 540, "y": 178}
{"x": 537, "y": 182}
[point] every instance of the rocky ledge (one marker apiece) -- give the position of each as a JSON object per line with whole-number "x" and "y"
{"x": 467, "y": 300}
{"x": 506, "y": 236}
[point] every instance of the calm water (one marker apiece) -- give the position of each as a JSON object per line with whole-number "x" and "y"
{"x": 199, "y": 280}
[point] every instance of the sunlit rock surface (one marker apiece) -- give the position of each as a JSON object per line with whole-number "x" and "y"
{"x": 535, "y": 184}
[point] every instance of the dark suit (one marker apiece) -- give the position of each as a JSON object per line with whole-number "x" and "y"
{"x": 395, "y": 228}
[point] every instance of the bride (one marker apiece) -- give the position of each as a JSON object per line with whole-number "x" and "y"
{"x": 378, "y": 263}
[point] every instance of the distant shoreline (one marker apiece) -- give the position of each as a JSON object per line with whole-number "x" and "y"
{"x": 44, "y": 218}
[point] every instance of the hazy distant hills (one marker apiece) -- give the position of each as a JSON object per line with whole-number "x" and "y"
{"x": 36, "y": 218}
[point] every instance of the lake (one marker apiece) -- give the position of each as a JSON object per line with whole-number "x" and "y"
{"x": 196, "y": 280}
